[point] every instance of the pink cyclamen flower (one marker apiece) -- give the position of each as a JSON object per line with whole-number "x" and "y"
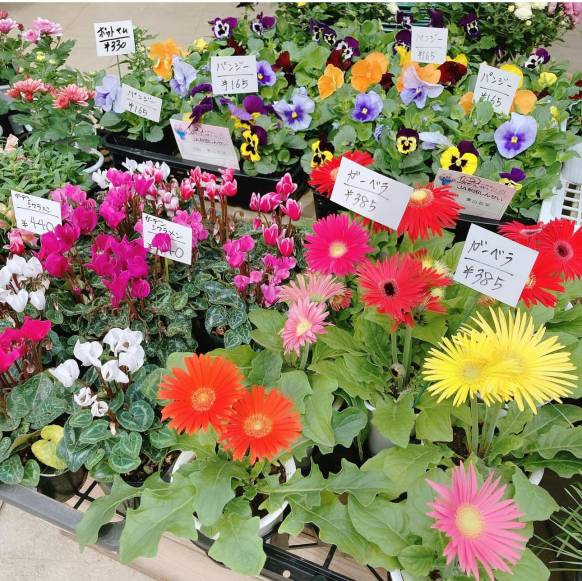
{"x": 85, "y": 219}
{"x": 18, "y": 239}
{"x": 228, "y": 189}
{"x": 286, "y": 246}
{"x": 316, "y": 288}
{"x": 35, "y": 330}
{"x": 194, "y": 221}
{"x": 285, "y": 187}
{"x": 336, "y": 245}
{"x": 292, "y": 209}
{"x": 271, "y": 235}
{"x": 56, "y": 265}
{"x": 140, "y": 288}
{"x": 478, "y": 522}
{"x": 270, "y": 293}
{"x": 72, "y": 94}
{"x": 162, "y": 241}
{"x": 305, "y": 320}
{"x": 27, "y": 89}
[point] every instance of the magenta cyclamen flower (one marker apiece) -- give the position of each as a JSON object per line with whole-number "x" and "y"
{"x": 515, "y": 135}
{"x": 162, "y": 241}
{"x": 236, "y": 250}
{"x": 194, "y": 221}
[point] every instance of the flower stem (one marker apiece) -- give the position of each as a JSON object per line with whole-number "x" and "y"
{"x": 407, "y": 352}
{"x": 474, "y": 447}
{"x": 304, "y": 356}
{"x": 490, "y": 425}
{"x": 166, "y": 270}
{"x": 394, "y": 344}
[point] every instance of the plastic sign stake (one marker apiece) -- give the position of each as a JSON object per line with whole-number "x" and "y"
{"x": 370, "y": 194}
{"x": 114, "y": 38}
{"x": 494, "y": 265}
{"x": 234, "y": 74}
{"x": 181, "y": 250}
{"x": 496, "y": 86}
{"x": 140, "y": 103}
{"x": 429, "y": 45}
{"x": 35, "y": 214}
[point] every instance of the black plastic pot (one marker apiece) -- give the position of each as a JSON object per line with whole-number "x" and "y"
{"x": 325, "y": 207}
{"x": 62, "y": 485}
{"x": 206, "y": 341}
{"x": 166, "y": 151}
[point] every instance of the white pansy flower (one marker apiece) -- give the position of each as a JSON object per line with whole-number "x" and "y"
{"x": 430, "y": 139}
{"x": 99, "y": 409}
{"x": 17, "y": 301}
{"x": 85, "y": 397}
{"x": 37, "y": 299}
{"x": 132, "y": 359}
{"x": 88, "y": 353}
{"x": 67, "y": 373}
{"x": 100, "y": 178}
{"x": 111, "y": 372}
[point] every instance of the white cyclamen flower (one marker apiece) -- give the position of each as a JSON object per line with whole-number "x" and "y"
{"x": 122, "y": 340}
{"x": 132, "y": 359}
{"x": 130, "y": 164}
{"x": 67, "y": 373}
{"x": 99, "y": 409}
{"x": 111, "y": 372}
{"x": 5, "y": 276}
{"x": 37, "y": 299}
{"x": 17, "y": 301}
{"x": 88, "y": 353}
{"x": 100, "y": 178}
{"x": 85, "y": 397}
{"x": 16, "y": 265}
{"x": 33, "y": 268}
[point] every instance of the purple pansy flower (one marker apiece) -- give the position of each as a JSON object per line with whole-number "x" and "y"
{"x": 349, "y": 47}
{"x": 223, "y": 27}
{"x": 199, "y": 110}
{"x": 108, "y": 94}
{"x": 540, "y": 56}
{"x": 417, "y": 90}
{"x": 184, "y": 74}
{"x": 251, "y": 104}
{"x": 403, "y": 38}
{"x": 262, "y": 23}
{"x": 378, "y": 130}
{"x": 297, "y": 114}
{"x": 515, "y": 135}
{"x": 367, "y": 107}
{"x": 470, "y": 23}
{"x": 321, "y": 31}
{"x": 201, "y": 88}
{"x": 265, "y": 74}
{"x": 437, "y": 19}
{"x": 512, "y": 178}
{"x": 404, "y": 20}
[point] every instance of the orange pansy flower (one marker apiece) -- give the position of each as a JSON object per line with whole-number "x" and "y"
{"x": 466, "y": 102}
{"x": 428, "y": 74}
{"x": 524, "y": 102}
{"x": 369, "y": 71}
{"x": 162, "y": 54}
{"x": 331, "y": 80}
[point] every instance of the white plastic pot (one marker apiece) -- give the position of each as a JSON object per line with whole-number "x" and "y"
{"x": 376, "y": 441}
{"x": 97, "y": 165}
{"x": 268, "y": 522}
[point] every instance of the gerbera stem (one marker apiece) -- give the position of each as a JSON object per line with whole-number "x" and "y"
{"x": 491, "y": 423}
{"x": 394, "y": 344}
{"x": 407, "y": 352}
{"x": 474, "y": 426}
{"x": 304, "y": 356}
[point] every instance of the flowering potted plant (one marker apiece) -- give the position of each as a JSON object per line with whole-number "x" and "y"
{"x": 10, "y": 42}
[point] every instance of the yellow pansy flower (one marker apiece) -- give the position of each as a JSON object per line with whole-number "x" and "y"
{"x": 547, "y": 79}
{"x": 515, "y": 70}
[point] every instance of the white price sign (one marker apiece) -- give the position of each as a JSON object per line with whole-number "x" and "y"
{"x": 205, "y": 143}
{"x": 181, "y": 236}
{"x": 494, "y": 265}
{"x": 429, "y": 45}
{"x": 234, "y": 74}
{"x": 140, "y": 103}
{"x": 35, "y": 214}
{"x": 496, "y": 86}
{"x": 370, "y": 194}
{"x": 114, "y": 38}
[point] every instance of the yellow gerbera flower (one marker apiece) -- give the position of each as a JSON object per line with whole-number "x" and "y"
{"x": 537, "y": 368}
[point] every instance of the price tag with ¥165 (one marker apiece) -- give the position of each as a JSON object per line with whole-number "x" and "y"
{"x": 181, "y": 236}
{"x": 234, "y": 74}
{"x": 429, "y": 45}
{"x": 114, "y": 38}
{"x": 140, "y": 103}
{"x": 496, "y": 86}
{"x": 35, "y": 214}
{"x": 370, "y": 194}
{"x": 494, "y": 265}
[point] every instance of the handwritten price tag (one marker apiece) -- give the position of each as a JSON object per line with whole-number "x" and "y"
{"x": 370, "y": 194}
{"x": 35, "y": 214}
{"x": 205, "y": 144}
{"x": 140, "y": 103}
{"x": 181, "y": 236}
{"x": 494, "y": 265}
{"x": 429, "y": 45}
{"x": 234, "y": 74}
{"x": 478, "y": 196}
{"x": 114, "y": 38}
{"x": 496, "y": 86}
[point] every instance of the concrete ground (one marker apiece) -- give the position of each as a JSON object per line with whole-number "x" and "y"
{"x": 31, "y": 550}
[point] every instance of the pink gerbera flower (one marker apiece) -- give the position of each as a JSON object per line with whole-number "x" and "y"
{"x": 336, "y": 245}
{"x": 479, "y": 523}
{"x": 317, "y": 288}
{"x": 305, "y": 321}
{"x": 72, "y": 94}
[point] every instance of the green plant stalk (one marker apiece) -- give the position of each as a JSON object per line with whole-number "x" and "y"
{"x": 407, "y": 352}
{"x": 474, "y": 446}
{"x": 304, "y": 356}
{"x": 166, "y": 270}
{"x": 394, "y": 344}
{"x": 491, "y": 418}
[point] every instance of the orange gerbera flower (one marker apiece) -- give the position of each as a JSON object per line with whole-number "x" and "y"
{"x": 331, "y": 80}
{"x": 428, "y": 74}
{"x": 162, "y": 54}
{"x": 369, "y": 71}
{"x": 262, "y": 423}
{"x": 202, "y": 394}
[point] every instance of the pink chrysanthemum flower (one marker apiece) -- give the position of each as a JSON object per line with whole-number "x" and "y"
{"x": 479, "y": 523}
{"x": 336, "y": 245}
{"x": 27, "y": 89}
{"x": 72, "y": 94}
{"x": 305, "y": 321}
{"x": 317, "y": 288}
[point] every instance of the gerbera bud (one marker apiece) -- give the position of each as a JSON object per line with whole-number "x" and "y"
{"x": 397, "y": 370}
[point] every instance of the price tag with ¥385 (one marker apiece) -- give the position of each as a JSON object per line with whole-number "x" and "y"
{"x": 494, "y": 265}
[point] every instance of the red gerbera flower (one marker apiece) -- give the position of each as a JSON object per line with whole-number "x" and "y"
{"x": 429, "y": 210}
{"x": 265, "y": 424}
{"x": 525, "y": 234}
{"x": 201, "y": 394}
{"x": 322, "y": 178}
{"x": 542, "y": 279}
{"x": 562, "y": 243}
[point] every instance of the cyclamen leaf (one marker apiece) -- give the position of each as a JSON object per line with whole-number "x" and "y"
{"x": 11, "y": 470}
{"x": 139, "y": 417}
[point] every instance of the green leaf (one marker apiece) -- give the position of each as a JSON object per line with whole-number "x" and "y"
{"x": 347, "y": 424}
{"x": 560, "y": 439}
{"x": 221, "y": 294}
{"x": 163, "y": 438}
{"x": 317, "y": 423}
{"x": 268, "y": 325}
{"x": 239, "y": 547}
{"x": 563, "y": 464}
{"x": 417, "y": 559}
{"x": 81, "y": 419}
{"x": 434, "y": 424}
{"x": 395, "y": 419}
{"x": 266, "y": 368}
{"x": 11, "y": 470}
{"x": 528, "y": 568}
{"x": 340, "y": 340}
{"x": 364, "y": 486}
{"x": 533, "y": 501}
{"x": 236, "y": 317}
{"x": 139, "y": 417}
{"x": 167, "y": 509}
{"x": 125, "y": 453}
{"x": 179, "y": 300}
{"x": 295, "y": 385}
{"x": 97, "y": 431}
{"x": 31, "y": 474}
{"x": 216, "y": 316}
{"x": 213, "y": 483}
{"x": 232, "y": 338}
{"x": 149, "y": 386}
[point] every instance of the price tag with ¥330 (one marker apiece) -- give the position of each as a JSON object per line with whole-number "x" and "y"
{"x": 494, "y": 265}
{"x": 114, "y": 38}
{"x": 370, "y": 194}
{"x": 35, "y": 214}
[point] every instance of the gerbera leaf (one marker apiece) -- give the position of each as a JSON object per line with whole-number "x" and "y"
{"x": 347, "y": 424}
{"x": 266, "y": 368}
{"x": 533, "y": 501}
{"x": 395, "y": 419}
{"x": 317, "y": 423}
{"x": 434, "y": 424}
{"x": 417, "y": 559}
{"x": 529, "y": 567}
{"x": 295, "y": 385}
{"x": 560, "y": 439}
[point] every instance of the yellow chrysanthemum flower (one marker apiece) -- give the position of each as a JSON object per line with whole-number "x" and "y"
{"x": 200, "y": 45}
{"x": 537, "y": 369}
